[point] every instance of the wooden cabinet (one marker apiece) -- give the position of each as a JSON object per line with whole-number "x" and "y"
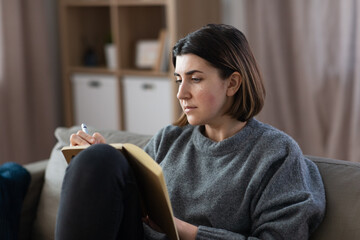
{"x": 87, "y": 26}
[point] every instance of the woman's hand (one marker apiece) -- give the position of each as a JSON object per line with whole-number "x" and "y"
{"x": 186, "y": 230}
{"x": 152, "y": 224}
{"x": 82, "y": 138}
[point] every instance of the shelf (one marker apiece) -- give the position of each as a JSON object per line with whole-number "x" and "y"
{"x": 92, "y": 3}
{"x": 98, "y": 70}
{"x": 138, "y": 23}
{"x": 87, "y": 26}
{"x": 86, "y": 3}
{"x": 105, "y": 70}
{"x": 87, "y": 35}
{"x": 141, "y": 2}
{"x": 144, "y": 73}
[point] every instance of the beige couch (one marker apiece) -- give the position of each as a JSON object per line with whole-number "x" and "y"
{"x": 341, "y": 179}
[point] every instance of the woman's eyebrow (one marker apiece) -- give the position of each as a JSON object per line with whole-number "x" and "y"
{"x": 189, "y": 72}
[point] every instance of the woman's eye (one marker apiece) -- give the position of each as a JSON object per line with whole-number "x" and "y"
{"x": 178, "y": 81}
{"x": 196, "y": 79}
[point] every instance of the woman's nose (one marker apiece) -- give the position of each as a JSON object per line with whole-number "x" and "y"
{"x": 183, "y": 91}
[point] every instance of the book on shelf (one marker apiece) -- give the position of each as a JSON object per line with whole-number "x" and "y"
{"x": 162, "y": 63}
{"x": 154, "y": 196}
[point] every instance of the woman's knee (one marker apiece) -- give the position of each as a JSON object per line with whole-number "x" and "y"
{"x": 15, "y": 173}
{"x": 98, "y": 156}
{"x": 14, "y": 182}
{"x": 100, "y": 160}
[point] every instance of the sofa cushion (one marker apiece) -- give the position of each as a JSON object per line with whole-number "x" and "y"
{"x": 29, "y": 208}
{"x": 44, "y": 226}
{"x": 341, "y": 180}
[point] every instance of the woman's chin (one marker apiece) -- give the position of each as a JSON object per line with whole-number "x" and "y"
{"x": 193, "y": 121}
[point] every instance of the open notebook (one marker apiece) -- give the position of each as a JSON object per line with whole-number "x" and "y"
{"x": 150, "y": 179}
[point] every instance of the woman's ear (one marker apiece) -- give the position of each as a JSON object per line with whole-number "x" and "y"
{"x": 233, "y": 84}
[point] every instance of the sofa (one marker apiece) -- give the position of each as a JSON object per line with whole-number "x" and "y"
{"x": 341, "y": 180}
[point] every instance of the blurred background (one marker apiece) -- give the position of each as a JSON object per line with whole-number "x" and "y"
{"x": 308, "y": 53}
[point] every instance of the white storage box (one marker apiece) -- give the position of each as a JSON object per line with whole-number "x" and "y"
{"x": 96, "y": 100}
{"x": 147, "y": 103}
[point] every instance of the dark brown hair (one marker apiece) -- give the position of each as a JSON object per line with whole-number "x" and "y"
{"x": 227, "y": 49}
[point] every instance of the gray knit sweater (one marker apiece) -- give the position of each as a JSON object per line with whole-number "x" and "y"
{"x": 254, "y": 185}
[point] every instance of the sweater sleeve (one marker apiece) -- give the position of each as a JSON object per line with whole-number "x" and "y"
{"x": 289, "y": 204}
{"x": 152, "y": 146}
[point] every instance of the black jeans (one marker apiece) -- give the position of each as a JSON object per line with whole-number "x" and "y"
{"x": 14, "y": 182}
{"x": 99, "y": 198}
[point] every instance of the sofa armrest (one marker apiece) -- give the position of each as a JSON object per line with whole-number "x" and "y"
{"x": 29, "y": 208}
{"x": 341, "y": 181}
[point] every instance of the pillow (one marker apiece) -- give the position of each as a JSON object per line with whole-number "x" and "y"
{"x": 44, "y": 226}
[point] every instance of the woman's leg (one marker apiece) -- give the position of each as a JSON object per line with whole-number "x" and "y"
{"x": 99, "y": 198}
{"x": 14, "y": 182}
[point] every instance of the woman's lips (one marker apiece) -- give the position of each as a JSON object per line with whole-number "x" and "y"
{"x": 188, "y": 109}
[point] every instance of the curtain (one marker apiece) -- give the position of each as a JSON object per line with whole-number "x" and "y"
{"x": 29, "y": 105}
{"x": 309, "y": 54}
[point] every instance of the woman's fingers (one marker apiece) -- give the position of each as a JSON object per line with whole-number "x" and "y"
{"x": 81, "y": 138}
{"x": 98, "y": 138}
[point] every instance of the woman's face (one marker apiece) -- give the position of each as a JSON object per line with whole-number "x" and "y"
{"x": 202, "y": 93}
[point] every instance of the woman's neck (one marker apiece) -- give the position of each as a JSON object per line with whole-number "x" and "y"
{"x": 228, "y": 128}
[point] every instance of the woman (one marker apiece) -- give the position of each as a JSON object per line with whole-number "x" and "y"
{"x": 229, "y": 176}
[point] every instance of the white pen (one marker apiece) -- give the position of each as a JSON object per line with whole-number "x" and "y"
{"x": 84, "y": 128}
